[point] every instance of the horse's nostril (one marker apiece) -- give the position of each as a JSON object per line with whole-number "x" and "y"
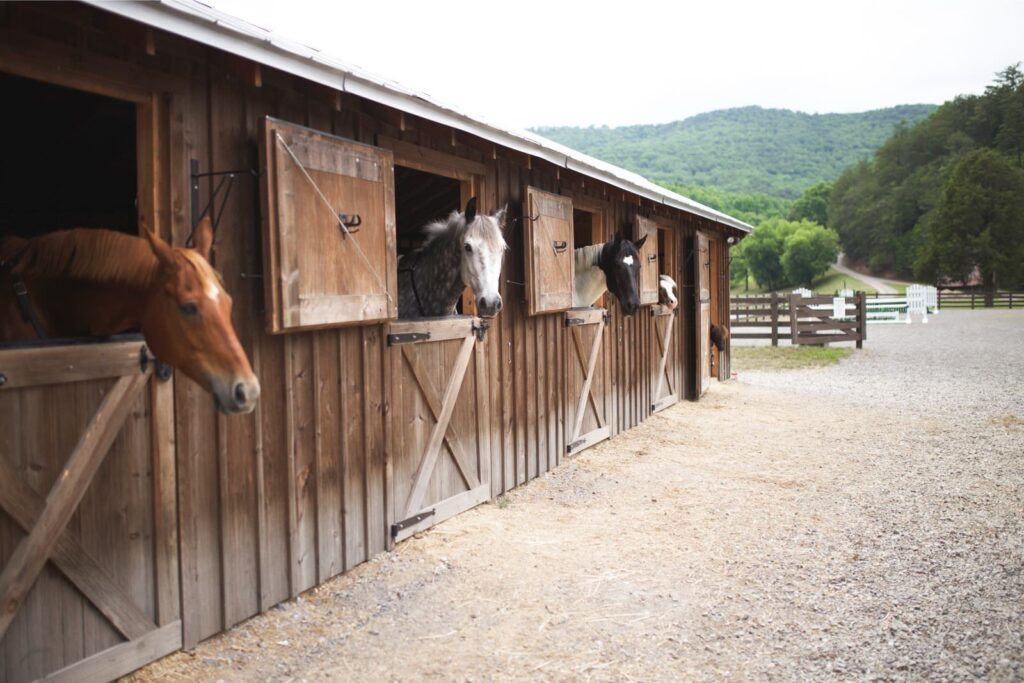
{"x": 240, "y": 394}
{"x": 497, "y": 306}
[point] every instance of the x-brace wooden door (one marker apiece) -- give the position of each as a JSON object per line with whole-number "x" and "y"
{"x": 665, "y": 380}
{"x": 440, "y": 454}
{"x": 88, "y": 524}
{"x": 587, "y": 410}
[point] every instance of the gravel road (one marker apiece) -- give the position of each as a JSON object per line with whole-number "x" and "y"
{"x": 862, "y": 521}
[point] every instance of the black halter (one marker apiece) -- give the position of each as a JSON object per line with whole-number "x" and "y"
{"x": 412, "y": 279}
{"x": 21, "y": 294}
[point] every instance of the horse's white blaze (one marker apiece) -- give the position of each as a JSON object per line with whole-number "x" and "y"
{"x": 668, "y": 288}
{"x": 481, "y": 266}
{"x": 212, "y": 292}
{"x": 628, "y": 260}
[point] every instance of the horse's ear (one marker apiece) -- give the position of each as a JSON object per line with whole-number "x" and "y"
{"x": 500, "y": 215}
{"x": 470, "y": 210}
{"x": 640, "y": 242}
{"x": 203, "y": 237}
{"x": 164, "y": 252}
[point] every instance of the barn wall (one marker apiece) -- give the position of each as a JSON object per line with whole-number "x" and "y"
{"x": 276, "y": 502}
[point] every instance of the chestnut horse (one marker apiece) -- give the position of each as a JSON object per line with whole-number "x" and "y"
{"x": 87, "y": 282}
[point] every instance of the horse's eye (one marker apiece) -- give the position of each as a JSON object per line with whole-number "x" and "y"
{"x": 189, "y": 308}
{"x": 468, "y": 248}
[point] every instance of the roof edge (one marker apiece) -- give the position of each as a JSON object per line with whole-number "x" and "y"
{"x": 206, "y": 25}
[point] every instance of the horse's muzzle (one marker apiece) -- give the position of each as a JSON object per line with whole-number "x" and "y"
{"x": 488, "y": 307}
{"x": 237, "y": 396}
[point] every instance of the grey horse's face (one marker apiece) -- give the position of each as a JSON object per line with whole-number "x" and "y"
{"x": 483, "y": 251}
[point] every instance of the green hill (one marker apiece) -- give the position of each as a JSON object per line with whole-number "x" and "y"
{"x": 773, "y": 152}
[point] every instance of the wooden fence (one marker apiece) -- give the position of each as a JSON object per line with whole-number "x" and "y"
{"x": 772, "y": 316}
{"x": 974, "y": 300}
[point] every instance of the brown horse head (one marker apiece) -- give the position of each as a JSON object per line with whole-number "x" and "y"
{"x": 186, "y": 319}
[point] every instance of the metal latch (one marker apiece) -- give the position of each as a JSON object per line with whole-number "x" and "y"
{"x": 407, "y": 338}
{"x": 574, "y": 445}
{"x": 412, "y": 521}
{"x": 569, "y": 322}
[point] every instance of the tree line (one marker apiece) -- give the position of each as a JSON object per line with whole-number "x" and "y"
{"x": 944, "y": 198}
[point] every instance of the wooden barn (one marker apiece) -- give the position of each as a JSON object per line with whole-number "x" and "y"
{"x": 135, "y": 519}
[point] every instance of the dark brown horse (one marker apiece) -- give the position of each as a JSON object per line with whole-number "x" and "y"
{"x": 86, "y": 282}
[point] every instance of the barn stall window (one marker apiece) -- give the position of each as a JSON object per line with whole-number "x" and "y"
{"x": 429, "y": 185}
{"x": 548, "y": 230}
{"x": 589, "y": 218}
{"x": 329, "y": 233}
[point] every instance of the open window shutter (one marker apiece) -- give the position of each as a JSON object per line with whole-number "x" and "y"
{"x": 314, "y": 274}
{"x": 649, "y": 266}
{"x": 549, "y": 251}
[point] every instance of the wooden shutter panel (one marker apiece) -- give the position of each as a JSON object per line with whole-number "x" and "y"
{"x": 649, "y": 266}
{"x": 315, "y": 275}
{"x": 549, "y": 251}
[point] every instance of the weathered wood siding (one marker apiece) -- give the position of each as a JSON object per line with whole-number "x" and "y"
{"x": 276, "y": 502}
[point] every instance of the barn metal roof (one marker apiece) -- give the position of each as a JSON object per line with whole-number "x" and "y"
{"x": 201, "y": 23}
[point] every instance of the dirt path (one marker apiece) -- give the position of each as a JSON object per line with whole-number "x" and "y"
{"x": 772, "y": 531}
{"x": 880, "y": 286}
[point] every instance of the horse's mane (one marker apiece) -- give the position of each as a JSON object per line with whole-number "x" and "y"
{"x": 455, "y": 227}
{"x": 100, "y": 256}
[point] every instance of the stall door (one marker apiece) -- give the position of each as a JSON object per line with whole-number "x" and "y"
{"x": 703, "y": 313}
{"x": 665, "y": 380}
{"x": 440, "y": 448}
{"x": 587, "y": 410}
{"x": 88, "y": 537}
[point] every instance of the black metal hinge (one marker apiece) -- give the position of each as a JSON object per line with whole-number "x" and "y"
{"x": 412, "y": 521}
{"x": 575, "y": 444}
{"x": 407, "y": 338}
{"x": 160, "y": 369}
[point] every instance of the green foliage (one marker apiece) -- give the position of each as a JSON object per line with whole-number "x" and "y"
{"x": 809, "y": 252}
{"x": 749, "y": 150}
{"x": 813, "y": 205}
{"x": 885, "y": 209}
{"x": 749, "y": 208}
{"x": 979, "y": 221}
{"x": 782, "y": 252}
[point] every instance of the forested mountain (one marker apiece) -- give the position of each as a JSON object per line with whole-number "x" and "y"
{"x": 749, "y": 150}
{"x": 945, "y": 196}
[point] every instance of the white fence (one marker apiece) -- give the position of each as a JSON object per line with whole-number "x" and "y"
{"x": 919, "y": 300}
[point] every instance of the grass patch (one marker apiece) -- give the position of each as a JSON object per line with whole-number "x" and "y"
{"x": 829, "y": 283}
{"x": 779, "y": 358}
{"x": 502, "y": 502}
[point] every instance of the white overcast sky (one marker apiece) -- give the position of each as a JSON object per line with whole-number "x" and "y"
{"x": 529, "y": 63}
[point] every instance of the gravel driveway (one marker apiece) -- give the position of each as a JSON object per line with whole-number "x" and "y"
{"x": 863, "y": 521}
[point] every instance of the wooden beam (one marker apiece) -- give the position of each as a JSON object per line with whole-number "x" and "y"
{"x": 31, "y": 554}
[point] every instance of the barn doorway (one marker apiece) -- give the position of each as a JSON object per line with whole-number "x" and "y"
{"x": 589, "y": 408}
{"x": 665, "y": 333}
{"x": 441, "y": 461}
{"x": 69, "y": 160}
{"x": 109, "y": 571}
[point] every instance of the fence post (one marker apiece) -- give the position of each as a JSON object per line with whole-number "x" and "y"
{"x": 1011, "y": 300}
{"x": 775, "y": 318}
{"x": 938, "y": 303}
{"x": 862, "y": 319}
{"x": 794, "y": 319}
{"x": 972, "y": 301}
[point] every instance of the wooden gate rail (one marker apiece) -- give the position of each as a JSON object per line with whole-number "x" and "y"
{"x": 798, "y": 316}
{"x": 575, "y": 320}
